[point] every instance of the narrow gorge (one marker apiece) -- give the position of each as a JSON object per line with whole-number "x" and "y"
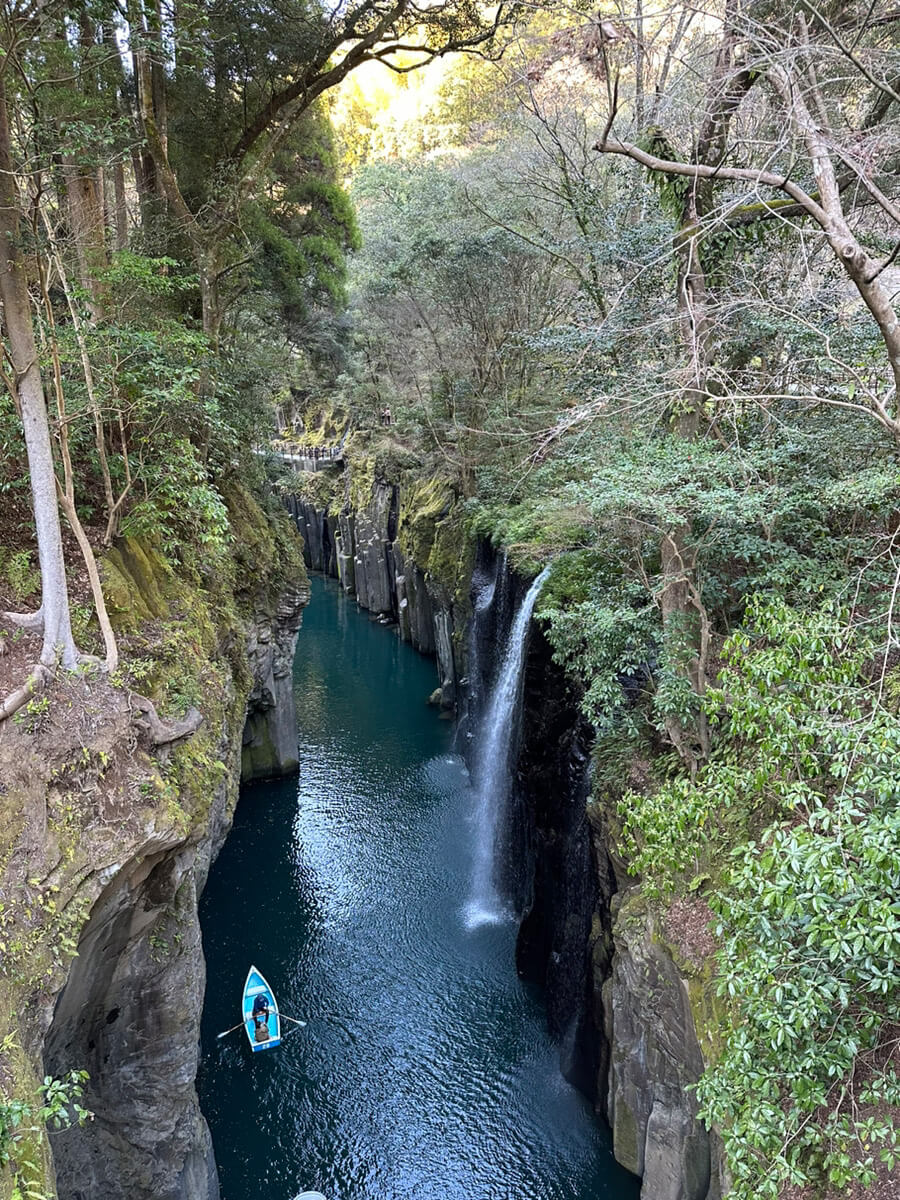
{"x": 530, "y": 854}
{"x": 449, "y": 520}
{"x": 624, "y": 997}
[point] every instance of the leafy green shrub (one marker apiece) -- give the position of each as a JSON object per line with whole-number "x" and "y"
{"x": 22, "y": 576}
{"x": 804, "y": 781}
{"x": 35, "y": 714}
{"x": 24, "y": 1121}
{"x": 182, "y": 507}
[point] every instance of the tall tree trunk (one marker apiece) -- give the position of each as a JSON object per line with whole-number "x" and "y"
{"x": 58, "y": 642}
{"x": 144, "y": 166}
{"x": 121, "y": 107}
{"x": 681, "y": 609}
{"x": 683, "y": 613}
{"x": 66, "y": 489}
{"x": 121, "y": 206}
{"x": 84, "y": 182}
{"x": 87, "y": 223}
{"x": 158, "y": 84}
{"x": 205, "y": 246}
{"x": 149, "y": 82}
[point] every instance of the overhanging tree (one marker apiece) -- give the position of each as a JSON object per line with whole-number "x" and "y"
{"x": 824, "y": 140}
{"x": 266, "y": 68}
{"x": 818, "y": 136}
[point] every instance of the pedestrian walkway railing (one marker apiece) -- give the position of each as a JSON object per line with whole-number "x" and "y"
{"x": 304, "y": 457}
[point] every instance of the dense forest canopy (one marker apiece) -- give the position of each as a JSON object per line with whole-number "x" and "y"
{"x": 158, "y": 165}
{"x": 627, "y": 282}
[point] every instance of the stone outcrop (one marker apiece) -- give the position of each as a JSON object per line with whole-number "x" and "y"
{"x": 129, "y": 1015}
{"x": 654, "y": 1058}
{"x": 270, "y": 731}
{"x": 372, "y": 548}
{"x": 403, "y": 553}
{"x": 418, "y": 622}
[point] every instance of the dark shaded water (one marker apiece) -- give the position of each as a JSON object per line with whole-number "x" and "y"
{"x": 425, "y": 1071}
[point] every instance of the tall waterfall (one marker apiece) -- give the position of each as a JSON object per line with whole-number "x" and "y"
{"x": 492, "y": 767}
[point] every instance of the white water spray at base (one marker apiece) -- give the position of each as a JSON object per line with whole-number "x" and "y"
{"x": 491, "y": 777}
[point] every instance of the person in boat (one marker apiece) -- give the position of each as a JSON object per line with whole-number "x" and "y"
{"x": 261, "y": 1018}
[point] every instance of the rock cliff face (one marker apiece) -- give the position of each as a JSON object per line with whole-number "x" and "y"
{"x": 403, "y": 553}
{"x": 654, "y": 1057}
{"x": 129, "y": 1014}
{"x": 270, "y": 731}
{"x": 112, "y": 847}
{"x": 559, "y": 892}
{"x": 617, "y": 1000}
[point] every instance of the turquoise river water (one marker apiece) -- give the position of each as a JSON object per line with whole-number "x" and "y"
{"x": 425, "y": 1071}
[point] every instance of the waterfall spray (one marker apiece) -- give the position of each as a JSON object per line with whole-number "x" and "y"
{"x": 491, "y": 777}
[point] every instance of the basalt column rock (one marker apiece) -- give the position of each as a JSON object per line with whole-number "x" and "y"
{"x": 270, "y": 734}
{"x": 551, "y": 849}
{"x": 655, "y": 1057}
{"x": 310, "y": 523}
{"x": 403, "y": 550}
{"x": 443, "y": 648}
{"x": 345, "y": 542}
{"x": 415, "y": 612}
{"x": 373, "y": 559}
{"x": 330, "y": 544}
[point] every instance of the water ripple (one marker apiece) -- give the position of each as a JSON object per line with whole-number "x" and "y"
{"x": 424, "y": 1072}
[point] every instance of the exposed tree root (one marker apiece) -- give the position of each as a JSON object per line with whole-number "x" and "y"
{"x": 35, "y": 682}
{"x": 34, "y": 622}
{"x": 161, "y": 733}
{"x": 90, "y": 562}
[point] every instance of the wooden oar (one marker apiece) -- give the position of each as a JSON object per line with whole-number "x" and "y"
{"x": 285, "y": 1017}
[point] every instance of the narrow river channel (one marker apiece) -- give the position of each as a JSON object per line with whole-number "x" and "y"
{"x": 425, "y": 1071}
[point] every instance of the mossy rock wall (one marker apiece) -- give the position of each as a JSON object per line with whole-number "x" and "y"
{"x": 396, "y": 539}
{"x": 655, "y": 988}
{"x": 629, "y": 984}
{"x": 105, "y": 845}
